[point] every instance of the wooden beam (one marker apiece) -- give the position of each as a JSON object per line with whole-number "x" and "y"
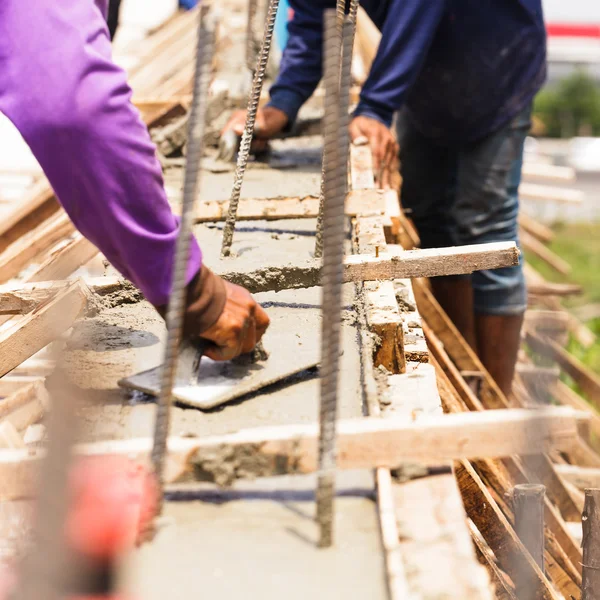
{"x": 38, "y": 205}
{"x": 19, "y": 254}
{"x": 534, "y": 191}
{"x": 504, "y": 589}
{"x": 535, "y": 228}
{"x": 580, "y": 477}
{"x": 585, "y": 378}
{"x": 413, "y": 263}
{"x": 554, "y": 289}
{"x": 68, "y": 259}
{"x": 564, "y": 395}
{"x": 537, "y": 248}
{"x": 33, "y": 331}
{"x": 25, "y": 406}
{"x": 500, "y": 536}
{"x": 554, "y": 172}
{"x": 362, "y": 443}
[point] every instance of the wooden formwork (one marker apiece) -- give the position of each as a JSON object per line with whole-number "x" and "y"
{"x": 447, "y": 528}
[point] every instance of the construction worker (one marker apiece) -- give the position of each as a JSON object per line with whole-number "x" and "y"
{"x": 460, "y": 76}
{"x": 72, "y": 105}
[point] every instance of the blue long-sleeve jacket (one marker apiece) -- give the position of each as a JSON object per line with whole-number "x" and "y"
{"x": 462, "y": 68}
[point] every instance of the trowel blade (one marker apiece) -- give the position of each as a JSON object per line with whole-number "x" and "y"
{"x": 215, "y": 383}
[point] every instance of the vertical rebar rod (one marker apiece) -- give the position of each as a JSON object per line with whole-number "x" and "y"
{"x": 349, "y": 23}
{"x": 176, "y": 308}
{"x": 246, "y": 142}
{"x": 250, "y": 41}
{"x": 335, "y": 130}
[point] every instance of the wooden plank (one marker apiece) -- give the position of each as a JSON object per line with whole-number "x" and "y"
{"x": 436, "y": 545}
{"x": 537, "y": 248}
{"x": 534, "y": 191}
{"x": 362, "y": 443}
{"x": 38, "y": 205}
{"x": 566, "y": 396}
{"x": 554, "y": 172}
{"x": 554, "y": 289}
{"x": 535, "y": 228}
{"x": 396, "y": 574}
{"x": 384, "y": 320}
{"x": 9, "y": 384}
{"x": 585, "y": 378}
{"x": 362, "y": 166}
{"x": 19, "y": 254}
{"x": 490, "y": 395}
{"x": 33, "y": 331}
{"x": 553, "y": 321}
{"x": 503, "y": 588}
{"x": 413, "y": 263}
{"x": 501, "y": 476}
{"x": 499, "y": 535}
{"x": 25, "y": 406}
{"x": 9, "y": 436}
{"x": 75, "y": 254}
{"x": 580, "y": 477}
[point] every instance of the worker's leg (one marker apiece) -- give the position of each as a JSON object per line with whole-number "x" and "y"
{"x": 428, "y": 191}
{"x": 486, "y": 210}
{"x": 72, "y": 105}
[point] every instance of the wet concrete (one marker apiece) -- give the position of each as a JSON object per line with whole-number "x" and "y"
{"x": 262, "y": 541}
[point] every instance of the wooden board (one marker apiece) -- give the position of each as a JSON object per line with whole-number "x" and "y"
{"x": 25, "y": 406}
{"x": 534, "y": 191}
{"x": 361, "y": 444}
{"x": 537, "y": 248}
{"x": 68, "y": 259}
{"x": 33, "y": 331}
{"x": 586, "y": 379}
{"x": 413, "y": 263}
{"x": 19, "y": 254}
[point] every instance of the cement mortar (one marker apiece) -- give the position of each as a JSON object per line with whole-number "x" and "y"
{"x": 262, "y": 545}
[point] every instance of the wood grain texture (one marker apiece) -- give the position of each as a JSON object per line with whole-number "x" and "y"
{"x": 413, "y": 263}
{"x": 33, "y": 331}
{"x": 585, "y": 378}
{"x": 39, "y": 240}
{"x": 362, "y": 443}
{"x": 63, "y": 263}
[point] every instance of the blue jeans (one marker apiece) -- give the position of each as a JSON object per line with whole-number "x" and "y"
{"x": 469, "y": 195}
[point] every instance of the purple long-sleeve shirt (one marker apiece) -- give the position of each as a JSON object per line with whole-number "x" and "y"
{"x": 71, "y": 103}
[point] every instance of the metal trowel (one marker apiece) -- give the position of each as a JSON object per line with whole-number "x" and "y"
{"x": 204, "y": 383}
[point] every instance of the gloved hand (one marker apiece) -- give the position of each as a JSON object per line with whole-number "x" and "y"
{"x": 269, "y": 122}
{"x": 224, "y": 313}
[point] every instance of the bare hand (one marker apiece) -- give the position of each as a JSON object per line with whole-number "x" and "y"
{"x": 384, "y": 147}
{"x": 269, "y": 122}
{"x": 240, "y": 326}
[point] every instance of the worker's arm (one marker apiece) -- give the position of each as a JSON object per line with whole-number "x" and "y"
{"x": 407, "y": 33}
{"x": 299, "y": 73}
{"x": 72, "y": 105}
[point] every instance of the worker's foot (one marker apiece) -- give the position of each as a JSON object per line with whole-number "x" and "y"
{"x": 498, "y": 341}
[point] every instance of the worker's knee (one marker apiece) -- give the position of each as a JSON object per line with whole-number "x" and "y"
{"x": 500, "y": 291}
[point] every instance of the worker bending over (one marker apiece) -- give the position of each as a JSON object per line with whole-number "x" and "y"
{"x": 72, "y": 105}
{"x": 460, "y": 77}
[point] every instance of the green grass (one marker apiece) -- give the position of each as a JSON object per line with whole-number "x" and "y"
{"x": 579, "y": 245}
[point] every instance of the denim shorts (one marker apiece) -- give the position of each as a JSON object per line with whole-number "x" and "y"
{"x": 468, "y": 194}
